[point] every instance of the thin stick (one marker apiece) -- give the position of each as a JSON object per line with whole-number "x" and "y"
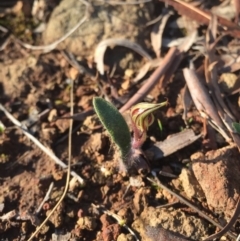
{"x": 68, "y": 170}
{"x": 49, "y": 47}
{"x": 39, "y": 144}
{"x": 46, "y": 198}
{"x": 228, "y": 225}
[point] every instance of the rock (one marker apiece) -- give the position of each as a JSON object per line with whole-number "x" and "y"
{"x": 218, "y": 173}
{"x": 170, "y": 219}
{"x": 63, "y": 124}
{"x": 229, "y": 82}
{"x": 190, "y": 184}
{"x": 105, "y": 21}
{"x": 111, "y": 232}
{"x": 88, "y": 223}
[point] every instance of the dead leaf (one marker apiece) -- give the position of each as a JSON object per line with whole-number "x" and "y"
{"x": 157, "y": 32}
{"x": 226, "y": 10}
{"x": 212, "y": 65}
{"x": 204, "y": 104}
{"x": 186, "y": 102}
{"x": 145, "y": 68}
{"x": 103, "y": 45}
{"x": 189, "y": 41}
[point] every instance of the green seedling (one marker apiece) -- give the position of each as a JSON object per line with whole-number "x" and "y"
{"x": 2, "y": 128}
{"x": 160, "y": 126}
{"x": 115, "y": 124}
{"x": 236, "y": 127}
{"x": 190, "y": 120}
{"x": 141, "y": 118}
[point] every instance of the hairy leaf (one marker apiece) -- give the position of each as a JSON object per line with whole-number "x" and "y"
{"x": 115, "y": 124}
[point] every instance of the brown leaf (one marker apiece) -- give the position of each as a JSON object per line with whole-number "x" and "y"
{"x": 103, "y": 45}
{"x": 156, "y": 34}
{"x": 186, "y": 101}
{"x": 172, "y": 144}
{"x": 203, "y": 102}
{"x": 145, "y": 68}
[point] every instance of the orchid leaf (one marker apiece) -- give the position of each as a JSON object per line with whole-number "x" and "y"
{"x": 115, "y": 124}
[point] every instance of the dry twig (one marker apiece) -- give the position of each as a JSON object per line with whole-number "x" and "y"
{"x": 154, "y": 78}
{"x": 229, "y": 224}
{"x": 202, "y": 16}
{"x": 39, "y": 144}
{"x": 46, "y": 198}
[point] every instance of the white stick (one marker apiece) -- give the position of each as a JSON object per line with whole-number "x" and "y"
{"x": 46, "y": 198}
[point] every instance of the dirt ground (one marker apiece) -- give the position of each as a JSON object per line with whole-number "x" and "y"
{"x": 35, "y": 89}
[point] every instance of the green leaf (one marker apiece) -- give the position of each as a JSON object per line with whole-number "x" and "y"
{"x": 115, "y": 124}
{"x": 160, "y": 125}
{"x": 236, "y": 126}
{"x": 2, "y": 128}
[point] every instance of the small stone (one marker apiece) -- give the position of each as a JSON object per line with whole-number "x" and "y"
{"x": 73, "y": 73}
{"x": 219, "y": 176}
{"x": 88, "y": 223}
{"x": 125, "y": 237}
{"x": 228, "y": 81}
{"x": 105, "y": 220}
{"x": 63, "y": 124}
{"x": 190, "y": 184}
{"x": 52, "y": 115}
{"x": 111, "y": 232}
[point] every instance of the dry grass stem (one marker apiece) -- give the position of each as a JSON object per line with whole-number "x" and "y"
{"x": 68, "y": 169}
